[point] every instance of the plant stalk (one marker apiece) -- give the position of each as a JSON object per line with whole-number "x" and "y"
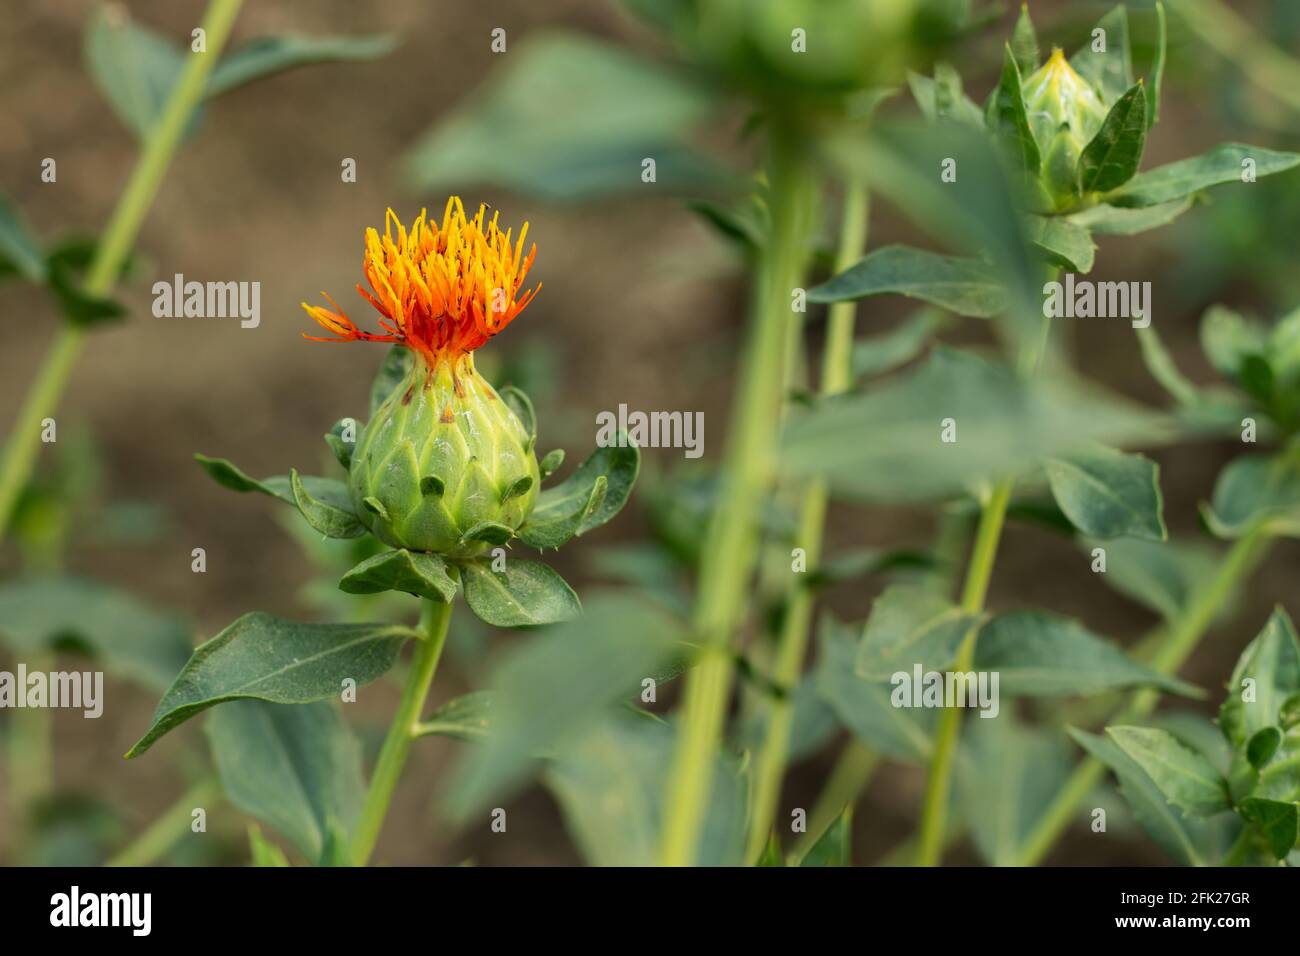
{"x": 163, "y": 834}
{"x": 1178, "y": 644}
{"x": 434, "y": 617}
{"x": 110, "y": 254}
{"x": 731, "y": 541}
{"x": 848, "y": 779}
{"x": 836, "y": 377}
{"x": 934, "y": 811}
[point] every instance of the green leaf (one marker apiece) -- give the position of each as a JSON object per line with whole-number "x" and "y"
{"x": 522, "y": 406}
{"x": 910, "y": 624}
{"x": 1262, "y": 746}
{"x": 588, "y": 498}
{"x": 1004, "y": 425}
{"x": 1106, "y": 220}
{"x": 1266, "y": 674}
{"x": 1254, "y": 489}
{"x": 297, "y": 768}
{"x": 1007, "y": 776}
{"x": 266, "y": 56}
{"x": 1162, "y": 577}
{"x": 78, "y": 306}
{"x": 262, "y": 851}
{"x": 551, "y": 688}
{"x": 552, "y": 460}
{"x": 1185, "y": 778}
{"x": 526, "y": 592}
{"x": 1112, "y": 157}
{"x": 134, "y": 67}
{"x": 1038, "y": 654}
{"x": 1158, "y": 65}
{"x": 864, "y": 706}
{"x": 264, "y": 657}
{"x": 835, "y": 846}
{"x": 1009, "y": 116}
{"x": 942, "y": 98}
{"x": 979, "y": 214}
{"x": 328, "y": 490}
{"x": 1024, "y": 42}
{"x": 392, "y": 372}
{"x": 63, "y": 612}
{"x": 1278, "y": 822}
{"x": 610, "y": 787}
{"x": 19, "y": 251}
{"x": 1223, "y": 164}
{"x": 1110, "y": 70}
{"x": 1229, "y": 339}
{"x": 466, "y": 718}
{"x": 330, "y": 519}
{"x": 339, "y": 445}
{"x": 618, "y": 110}
{"x": 1066, "y": 243}
{"x": 418, "y": 573}
{"x": 965, "y": 286}
{"x": 877, "y": 354}
{"x": 1185, "y": 839}
{"x": 491, "y": 532}
{"x": 1109, "y": 494}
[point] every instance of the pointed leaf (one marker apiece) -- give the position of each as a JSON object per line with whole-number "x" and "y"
{"x": 550, "y": 462}
{"x": 267, "y": 55}
{"x": 876, "y": 354}
{"x": 42, "y": 613}
{"x": 465, "y": 718}
{"x": 1066, "y": 243}
{"x": 329, "y": 490}
{"x": 1106, "y": 220}
{"x": 328, "y": 518}
{"x": 19, "y": 251}
{"x": 1265, "y": 676}
{"x": 588, "y": 498}
{"x": 1010, "y": 117}
{"x": 1187, "y": 780}
{"x": 1186, "y": 839}
{"x": 297, "y": 768}
{"x": 965, "y": 286}
{"x": 1223, "y": 164}
{"x": 910, "y": 624}
{"x": 551, "y": 688}
{"x": 1109, "y": 69}
{"x": 1112, "y": 157}
{"x": 834, "y": 847}
{"x": 1158, "y": 65}
{"x": 264, "y": 657}
{"x": 1109, "y": 494}
{"x": 1024, "y": 42}
{"x": 1038, "y": 654}
{"x": 527, "y": 592}
{"x": 1254, "y": 489}
{"x": 522, "y": 406}
{"x": 1278, "y": 822}
{"x": 418, "y": 573}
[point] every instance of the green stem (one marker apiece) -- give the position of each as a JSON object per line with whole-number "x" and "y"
{"x": 934, "y": 811}
{"x": 164, "y": 833}
{"x": 848, "y": 779}
{"x": 403, "y": 730}
{"x": 731, "y": 542}
{"x": 29, "y": 750}
{"x": 836, "y": 376}
{"x": 111, "y": 253}
{"x": 1240, "y": 848}
{"x": 1177, "y": 646}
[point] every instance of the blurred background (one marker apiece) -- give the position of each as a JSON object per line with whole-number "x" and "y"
{"x": 642, "y": 304}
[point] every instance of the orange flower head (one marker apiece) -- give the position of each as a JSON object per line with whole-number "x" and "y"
{"x": 441, "y": 290}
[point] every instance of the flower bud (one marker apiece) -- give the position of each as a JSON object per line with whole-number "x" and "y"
{"x": 444, "y": 455}
{"x": 1065, "y": 113}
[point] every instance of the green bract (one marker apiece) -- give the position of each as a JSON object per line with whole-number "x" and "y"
{"x": 444, "y": 465}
